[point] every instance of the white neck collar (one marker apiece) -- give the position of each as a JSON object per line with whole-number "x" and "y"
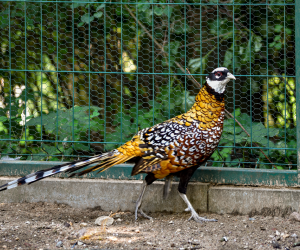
{"x": 218, "y": 86}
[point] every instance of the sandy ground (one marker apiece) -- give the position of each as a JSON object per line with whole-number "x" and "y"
{"x": 58, "y": 226}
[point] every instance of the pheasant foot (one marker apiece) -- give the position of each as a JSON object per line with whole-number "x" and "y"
{"x": 194, "y": 215}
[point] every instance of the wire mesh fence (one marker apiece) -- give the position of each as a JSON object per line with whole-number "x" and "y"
{"x": 80, "y": 77}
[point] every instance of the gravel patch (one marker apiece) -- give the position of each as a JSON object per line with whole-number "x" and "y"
{"x": 58, "y": 226}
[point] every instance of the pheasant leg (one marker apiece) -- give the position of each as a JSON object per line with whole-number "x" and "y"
{"x": 139, "y": 203}
{"x": 167, "y": 186}
{"x": 190, "y": 208}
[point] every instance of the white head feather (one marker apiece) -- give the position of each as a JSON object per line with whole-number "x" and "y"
{"x": 217, "y": 85}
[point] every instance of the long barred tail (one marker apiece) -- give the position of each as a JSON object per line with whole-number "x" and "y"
{"x": 106, "y": 160}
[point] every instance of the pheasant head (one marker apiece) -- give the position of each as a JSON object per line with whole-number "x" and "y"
{"x": 218, "y": 79}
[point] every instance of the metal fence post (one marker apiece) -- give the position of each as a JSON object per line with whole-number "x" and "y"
{"x": 297, "y": 54}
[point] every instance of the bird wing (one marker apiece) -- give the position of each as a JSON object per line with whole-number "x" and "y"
{"x": 159, "y": 144}
{"x": 175, "y": 145}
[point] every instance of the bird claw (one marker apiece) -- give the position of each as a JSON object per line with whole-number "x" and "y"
{"x": 199, "y": 219}
{"x": 143, "y": 214}
{"x": 190, "y": 218}
{"x": 194, "y": 215}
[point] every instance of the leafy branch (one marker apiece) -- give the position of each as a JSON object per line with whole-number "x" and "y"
{"x": 155, "y": 41}
{"x": 228, "y": 113}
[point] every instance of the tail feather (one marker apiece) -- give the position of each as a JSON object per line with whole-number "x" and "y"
{"x": 103, "y": 157}
{"x": 109, "y": 159}
{"x": 104, "y": 165}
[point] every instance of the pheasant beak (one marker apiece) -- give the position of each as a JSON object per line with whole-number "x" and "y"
{"x": 230, "y": 76}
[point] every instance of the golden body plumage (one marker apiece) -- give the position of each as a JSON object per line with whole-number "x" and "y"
{"x": 181, "y": 142}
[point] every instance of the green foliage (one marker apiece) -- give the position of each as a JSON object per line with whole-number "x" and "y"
{"x": 285, "y": 149}
{"x": 279, "y": 99}
{"x": 70, "y": 124}
{"x": 74, "y": 124}
{"x": 233, "y": 135}
{"x": 127, "y": 123}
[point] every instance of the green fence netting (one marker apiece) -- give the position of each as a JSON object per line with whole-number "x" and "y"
{"x": 80, "y": 77}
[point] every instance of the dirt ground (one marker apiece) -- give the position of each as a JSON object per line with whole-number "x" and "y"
{"x": 56, "y": 226}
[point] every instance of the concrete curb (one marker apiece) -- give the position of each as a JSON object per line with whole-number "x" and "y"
{"x": 253, "y": 200}
{"x": 110, "y": 195}
{"x": 113, "y": 195}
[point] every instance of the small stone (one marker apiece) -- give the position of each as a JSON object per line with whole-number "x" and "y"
{"x": 224, "y": 239}
{"x": 295, "y": 216}
{"x": 17, "y": 238}
{"x": 4, "y": 246}
{"x": 104, "y": 220}
{"x": 149, "y": 243}
{"x": 285, "y": 235}
{"x": 173, "y": 245}
{"x": 27, "y": 222}
{"x": 113, "y": 238}
{"x": 66, "y": 224}
{"x": 137, "y": 231}
{"x": 171, "y": 222}
{"x": 26, "y": 244}
{"x": 294, "y": 235}
{"x": 119, "y": 219}
{"x": 251, "y": 219}
{"x": 275, "y": 244}
{"x": 195, "y": 242}
{"x": 83, "y": 224}
{"x": 81, "y": 232}
{"x": 277, "y": 233}
{"x": 262, "y": 228}
{"x": 79, "y": 243}
{"x": 59, "y": 244}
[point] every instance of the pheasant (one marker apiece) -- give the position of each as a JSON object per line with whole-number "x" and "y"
{"x": 176, "y": 147}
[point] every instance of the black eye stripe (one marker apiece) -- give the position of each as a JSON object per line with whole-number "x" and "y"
{"x": 218, "y": 73}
